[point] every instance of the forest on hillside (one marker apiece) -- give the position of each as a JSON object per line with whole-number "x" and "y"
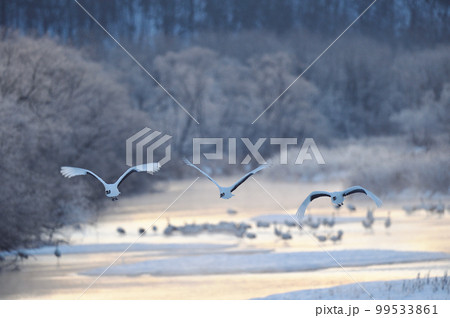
{"x": 410, "y": 22}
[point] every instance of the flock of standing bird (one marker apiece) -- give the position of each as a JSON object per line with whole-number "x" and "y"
{"x": 281, "y": 230}
{"x": 432, "y": 208}
{"x": 239, "y": 229}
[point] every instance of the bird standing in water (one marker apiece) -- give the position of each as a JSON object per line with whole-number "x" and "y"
{"x": 387, "y": 222}
{"x": 57, "y": 253}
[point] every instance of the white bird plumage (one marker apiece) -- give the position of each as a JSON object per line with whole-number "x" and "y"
{"x": 111, "y": 189}
{"x": 225, "y": 192}
{"x": 337, "y": 198}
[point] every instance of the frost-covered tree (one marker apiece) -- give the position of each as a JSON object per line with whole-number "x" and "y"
{"x": 294, "y": 114}
{"x": 188, "y": 77}
{"x": 57, "y": 108}
{"x": 430, "y": 122}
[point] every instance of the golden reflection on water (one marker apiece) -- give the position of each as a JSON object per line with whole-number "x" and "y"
{"x": 44, "y": 278}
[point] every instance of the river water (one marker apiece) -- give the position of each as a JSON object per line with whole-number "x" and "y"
{"x": 44, "y": 277}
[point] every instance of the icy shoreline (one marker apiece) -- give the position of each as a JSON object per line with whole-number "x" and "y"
{"x": 221, "y": 263}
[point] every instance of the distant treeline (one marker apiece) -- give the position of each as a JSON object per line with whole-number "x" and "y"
{"x": 409, "y": 21}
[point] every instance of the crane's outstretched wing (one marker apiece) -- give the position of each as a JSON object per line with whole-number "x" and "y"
{"x": 70, "y": 172}
{"x": 206, "y": 175}
{"x": 313, "y": 195}
{"x": 358, "y": 189}
{"x": 150, "y": 167}
{"x": 248, "y": 175}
